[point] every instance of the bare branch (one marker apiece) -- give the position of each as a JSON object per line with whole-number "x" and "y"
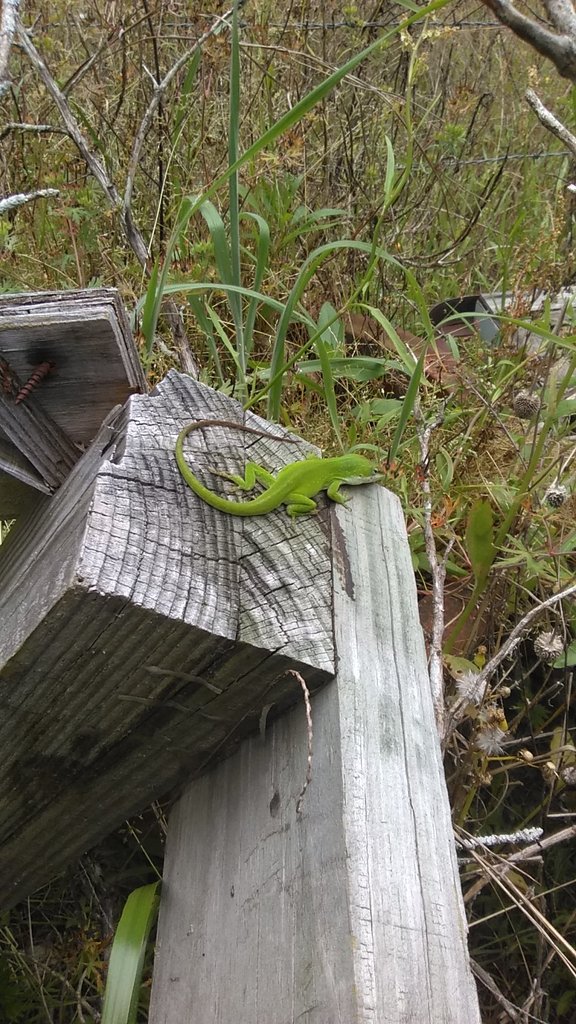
{"x": 519, "y": 630}
{"x": 550, "y": 121}
{"x": 559, "y": 48}
{"x": 437, "y": 570}
{"x": 561, "y": 14}
{"x": 7, "y": 29}
{"x": 157, "y": 95}
{"x": 97, "y": 168}
{"x": 94, "y": 163}
{"x": 20, "y": 198}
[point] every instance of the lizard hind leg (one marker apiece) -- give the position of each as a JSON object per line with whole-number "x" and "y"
{"x": 252, "y": 473}
{"x": 300, "y": 505}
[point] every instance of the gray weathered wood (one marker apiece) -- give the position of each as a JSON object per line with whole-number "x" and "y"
{"x": 351, "y": 911}
{"x": 124, "y": 602}
{"x": 86, "y": 335}
{"x": 28, "y": 432}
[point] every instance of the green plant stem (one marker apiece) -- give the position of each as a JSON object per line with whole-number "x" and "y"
{"x": 190, "y": 205}
{"x": 524, "y": 487}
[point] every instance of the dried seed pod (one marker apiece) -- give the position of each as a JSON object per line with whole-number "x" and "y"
{"x": 526, "y": 405}
{"x": 548, "y": 647}
{"x": 556, "y": 495}
{"x": 568, "y": 775}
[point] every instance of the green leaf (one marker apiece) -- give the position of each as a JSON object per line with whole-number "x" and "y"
{"x": 382, "y": 409}
{"x": 360, "y": 368}
{"x": 407, "y": 405}
{"x": 158, "y": 278}
{"x": 445, "y": 467}
{"x": 480, "y": 538}
{"x": 197, "y": 307}
{"x": 127, "y": 956}
{"x": 329, "y": 393}
{"x": 566, "y": 408}
{"x": 568, "y": 658}
{"x": 332, "y": 328}
{"x": 219, "y": 241}
{"x": 262, "y": 250}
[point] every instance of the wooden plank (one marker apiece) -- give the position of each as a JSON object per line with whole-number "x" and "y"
{"x": 86, "y": 335}
{"x": 13, "y": 464}
{"x": 126, "y": 605}
{"x": 29, "y": 431}
{"x": 350, "y": 911}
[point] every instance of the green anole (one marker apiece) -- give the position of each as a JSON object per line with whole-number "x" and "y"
{"x": 294, "y": 486}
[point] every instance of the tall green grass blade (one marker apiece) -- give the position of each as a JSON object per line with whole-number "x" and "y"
{"x": 234, "y": 206}
{"x": 127, "y": 956}
{"x": 222, "y": 254}
{"x": 181, "y": 110}
{"x": 390, "y": 172}
{"x": 408, "y": 359}
{"x": 308, "y": 268}
{"x": 330, "y": 323}
{"x": 329, "y": 344}
{"x": 205, "y": 323}
{"x": 262, "y": 251}
{"x": 271, "y": 135}
{"x": 223, "y": 335}
{"x": 149, "y": 307}
{"x": 158, "y": 279}
{"x": 407, "y": 406}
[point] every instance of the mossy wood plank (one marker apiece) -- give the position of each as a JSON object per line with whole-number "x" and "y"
{"x": 142, "y": 633}
{"x": 351, "y": 910}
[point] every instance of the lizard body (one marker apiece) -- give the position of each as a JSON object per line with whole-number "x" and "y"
{"x": 294, "y": 486}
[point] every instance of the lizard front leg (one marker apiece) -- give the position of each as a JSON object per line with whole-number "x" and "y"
{"x": 333, "y": 492}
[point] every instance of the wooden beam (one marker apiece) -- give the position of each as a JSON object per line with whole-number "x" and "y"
{"x": 85, "y": 338}
{"x": 142, "y": 632}
{"x": 350, "y": 911}
{"x": 31, "y": 439}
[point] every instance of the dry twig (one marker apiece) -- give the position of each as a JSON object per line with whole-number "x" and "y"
{"x": 437, "y": 569}
{"x": 132, "y": 232}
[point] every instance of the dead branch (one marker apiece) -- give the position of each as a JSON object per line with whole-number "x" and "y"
{"x": 559, "y": 46}
{"x": 437, "y": 570}
{"x": 20, "y": 198}
{"x": 7, "y": 28}
{"x": 133, "y": 234}
{"x": 547, "y": 118}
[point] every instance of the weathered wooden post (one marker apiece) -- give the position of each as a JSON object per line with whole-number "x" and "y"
{"x": 342, "y": 903}
{"x": 148, "y": 641}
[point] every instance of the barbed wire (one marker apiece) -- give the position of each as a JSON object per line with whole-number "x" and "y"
{"x": 304, "y": 26}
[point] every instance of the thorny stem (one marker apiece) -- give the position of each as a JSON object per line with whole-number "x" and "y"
{"x": 437, "y": 568}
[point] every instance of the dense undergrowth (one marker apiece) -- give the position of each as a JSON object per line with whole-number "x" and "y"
{"x": 421, "y": 175}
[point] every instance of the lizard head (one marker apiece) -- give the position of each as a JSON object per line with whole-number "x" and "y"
{"x": 358, "y": 467}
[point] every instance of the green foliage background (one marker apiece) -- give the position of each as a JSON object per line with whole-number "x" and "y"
{"x": 422, "y": 174}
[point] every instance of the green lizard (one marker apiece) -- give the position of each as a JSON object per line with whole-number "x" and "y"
{"x": 294, "y": 486}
